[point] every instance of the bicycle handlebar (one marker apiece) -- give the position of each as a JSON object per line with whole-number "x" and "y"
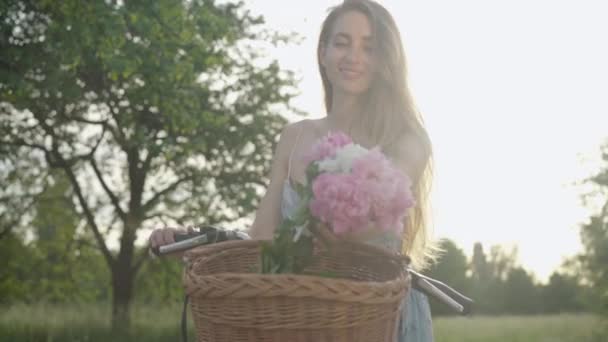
{"x": 429, "y": 286}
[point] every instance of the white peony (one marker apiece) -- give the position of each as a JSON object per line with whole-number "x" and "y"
{"x": 343, "y": 161}
{"x": 329, "y": 165}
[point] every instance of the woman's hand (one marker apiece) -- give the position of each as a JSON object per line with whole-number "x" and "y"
{"x": 165, "y": 236}
{"x": 162, "y": 236}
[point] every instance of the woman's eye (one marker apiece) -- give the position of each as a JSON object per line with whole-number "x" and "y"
{"x": 340, "y": 44}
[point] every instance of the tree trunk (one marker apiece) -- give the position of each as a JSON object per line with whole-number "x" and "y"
{"x": 123, "y": 277}
{"x": 122, "y": 293}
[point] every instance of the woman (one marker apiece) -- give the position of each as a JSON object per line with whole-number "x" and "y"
{"x": 362, "y": 65}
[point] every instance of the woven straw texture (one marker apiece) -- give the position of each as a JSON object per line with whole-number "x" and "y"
{"x": 231, "y": 302}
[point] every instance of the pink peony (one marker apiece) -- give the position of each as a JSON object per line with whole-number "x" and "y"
{"x": 374, "y": 192}
{"x": 373, "y": 165}
{"x": 356, "y": 188}
{"x": 339, "y": 201}
{"x": 327, "y": 146}
{"x": 388, "y": 186}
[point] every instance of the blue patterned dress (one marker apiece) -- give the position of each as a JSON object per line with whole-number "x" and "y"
{"x": 417, "y": 325}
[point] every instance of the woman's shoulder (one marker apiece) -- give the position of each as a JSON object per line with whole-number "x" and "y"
{"x": 410, "y": 154}
{"x": 304, "y": 128}
{"x": 298, "y": 136}
{"x": 290, "y": 134}
{"x": 305, "y": 124}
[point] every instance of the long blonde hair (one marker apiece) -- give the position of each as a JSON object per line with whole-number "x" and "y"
{"x": 390, "y": 114}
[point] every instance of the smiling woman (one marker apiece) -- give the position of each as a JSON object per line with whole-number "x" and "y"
{"x": 363, "y": 71}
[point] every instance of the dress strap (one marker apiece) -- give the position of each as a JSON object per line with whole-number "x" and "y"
{"x": 292, "y": 150}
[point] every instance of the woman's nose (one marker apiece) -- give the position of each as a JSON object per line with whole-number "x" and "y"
{"x": 355, "y": 54}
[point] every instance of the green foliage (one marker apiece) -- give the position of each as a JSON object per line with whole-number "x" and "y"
{"x": 595, "y": 240}
{"x": 499, "y": 286}
{"x": 522, "y": 295}
{"x": 28, "y": 275}
{"x": 57, "y": 265}
{"x": 291, "y": 248}
{"x": 563, "y": 293}
{"x": 451, "y": 268}
{"x": 284, "y": 255}
{"x": 163, "y": 86}
{"x": 491, "y": 277}
{"x": 594, "y": 236}
{"x": 15, "y": 258}
{"x": 160, "y": 282}
{"x": 156, "y": 113}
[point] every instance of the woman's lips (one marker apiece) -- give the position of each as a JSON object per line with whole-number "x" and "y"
{"x": 351, "y": 74}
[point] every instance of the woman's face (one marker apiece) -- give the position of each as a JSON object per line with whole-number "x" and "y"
{"x": 347, "y": 55}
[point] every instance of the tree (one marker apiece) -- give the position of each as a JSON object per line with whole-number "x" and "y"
{"x": 61, "y": 261}
{"x": 594, "y": 236}
{"x": 157, "y": 113}
{"x": 159, "y": 282}
{"x": 451, "y": 268}
{"x": 521, "y": 293}
{"x": 563, "y": 293}
{"x": 489, "y": 276}
{"x": 479, "y": 265}
{"x": 53, "y": 263}
{"x": 12, "y": 269}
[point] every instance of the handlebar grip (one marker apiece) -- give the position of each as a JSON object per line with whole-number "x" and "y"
{"x": 465, "y": 302}
{"x": 179, "y": 238}
{"x": 205, "y": 235}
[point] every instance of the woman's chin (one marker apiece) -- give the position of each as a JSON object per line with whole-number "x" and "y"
{"x": 353, "y": 88}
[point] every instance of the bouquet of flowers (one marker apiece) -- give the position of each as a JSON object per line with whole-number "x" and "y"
{"x": 349, "y": 189}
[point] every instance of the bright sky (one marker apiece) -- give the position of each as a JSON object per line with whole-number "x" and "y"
{"x": 513, "y": 94}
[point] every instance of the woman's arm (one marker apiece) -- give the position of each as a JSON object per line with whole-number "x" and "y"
{"x": 268, "y": 215}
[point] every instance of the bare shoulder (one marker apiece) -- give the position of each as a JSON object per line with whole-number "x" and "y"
{"x": 291, "y": 130}
{"x": 296, "y": 140}
{"x": 411, "y": 154}
{"x": 303, "y": 128}
{"x": 289, "y": 135}
{"x": 309, "y": 125}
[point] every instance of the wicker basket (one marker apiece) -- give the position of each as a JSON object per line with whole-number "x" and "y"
{"x": 231, "y": 303}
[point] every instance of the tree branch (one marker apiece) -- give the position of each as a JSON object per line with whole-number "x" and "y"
{"x": 55, "y": 159}
{"x": 22, "y": 143}
{"x": 92, "y": 122}
{"x": 106, "y": 188}
{"x": 101, "y": 136}
{"x": 89, "y": 215}
{"x": 150, "y": 203}
{"x": 162, "y": 217}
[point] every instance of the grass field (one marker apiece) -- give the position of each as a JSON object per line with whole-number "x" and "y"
{"x": 91, "y": 324}
{"x": 548, "y": 328}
